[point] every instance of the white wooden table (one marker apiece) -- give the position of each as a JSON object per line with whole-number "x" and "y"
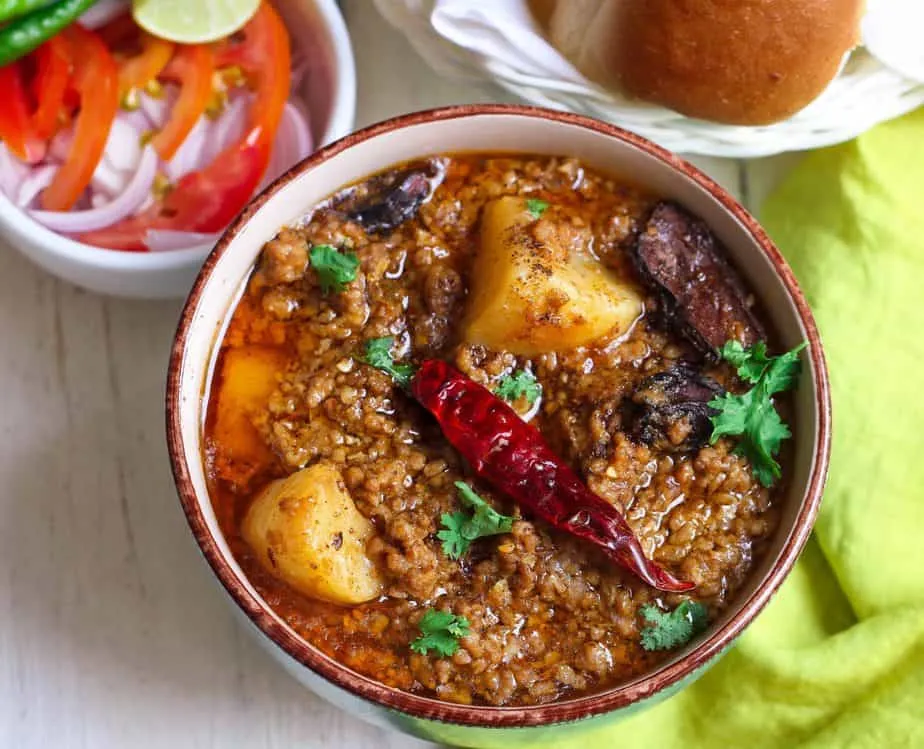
{"x": 112, "y": 635}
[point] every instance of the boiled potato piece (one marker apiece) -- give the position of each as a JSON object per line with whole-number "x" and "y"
{"x": 306, "y": 531}
{"x": 247, "y": 380}
{"x": 535, "y": 290}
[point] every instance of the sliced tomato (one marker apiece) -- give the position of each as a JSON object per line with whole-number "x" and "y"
{"x": 203, "y": 201}
{"x": 96, "y": 79}
{"x": 261, "y": 50}
{"x": 119, "y": 32}
{"x": 139, "y": 70}
{"x": 50, "y": 86}
{"x": 208, "y": 200}
{"x": 16, "y": 129}
{"x": 192, "y": 68}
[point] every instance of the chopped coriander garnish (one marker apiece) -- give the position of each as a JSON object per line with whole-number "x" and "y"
{"x": 378, "y": 355}
{"x": 460, "y": 529}
{"x": 752, "y": 415}
{"x": 671, "y": 629}
{"x": 536, "y": 207}
{"x": 335, "y": 269}
{"x": 440, "y": 631}
{"x": 519, "y": 384}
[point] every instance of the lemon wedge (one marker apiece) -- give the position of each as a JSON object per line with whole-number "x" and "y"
{"x": 193, "y": 21}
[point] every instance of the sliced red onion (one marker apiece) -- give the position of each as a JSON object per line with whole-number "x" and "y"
{"x": 39, "y": 178}
{"x": 102, "y": 13}
{"x": 136, "y": 192}
{"x": 60, "y": 145}
{"x": 228, "y": 128}
{"x": 293, "y": 143}
{"x": 121, "y": 156}
{"x": 299, "y": 70}
{"x": 162, "y": 240}
{"x": 189, "y": 156}
{"x": 157, "y": 109}
{"x": 123, "y": 146}
{"x": 12, "y": 172}
{"x": 137, "y": 118}
{"x": 98, "y": 200}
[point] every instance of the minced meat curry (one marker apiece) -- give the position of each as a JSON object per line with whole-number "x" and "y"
{"x": 477, "y": 429}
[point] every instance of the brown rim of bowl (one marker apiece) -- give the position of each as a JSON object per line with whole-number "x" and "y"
{"x": 497, "y": 717}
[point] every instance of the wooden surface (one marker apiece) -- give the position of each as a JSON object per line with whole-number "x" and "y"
{"x": 111, "y": 632}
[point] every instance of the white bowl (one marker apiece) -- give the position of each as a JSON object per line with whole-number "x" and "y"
{"x": 329, "y": 90}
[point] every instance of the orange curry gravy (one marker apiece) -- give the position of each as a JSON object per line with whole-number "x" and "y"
{"x": 549, "y": 617}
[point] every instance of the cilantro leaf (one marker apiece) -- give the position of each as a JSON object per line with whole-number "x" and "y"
{"x": 784, "y": 371}
{"x": 459, "y": 529}
{"x": 671, "y": 629}
{"x": 519, "y": 384}
{"x": 440, "y": 631}
{"x": 536, "y": 207}
{"x": 335, "y": 269}
{"x": 753, "y": 363}
{"x": 378, "y": 354}
{"x": 750, "y": 363}
{"x": 455, "y": 544}
{"x": 734, "y": 411}
{"x": 752, "y": 415}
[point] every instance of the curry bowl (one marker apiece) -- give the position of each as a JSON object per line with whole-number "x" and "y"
{"x": 654, "y": 326}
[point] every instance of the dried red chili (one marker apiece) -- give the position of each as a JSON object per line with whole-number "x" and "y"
{"x": 513, "y": 457}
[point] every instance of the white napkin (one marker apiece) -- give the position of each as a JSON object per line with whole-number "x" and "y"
{"x": 892, "y": 33}
{"x": 504, "y": 32}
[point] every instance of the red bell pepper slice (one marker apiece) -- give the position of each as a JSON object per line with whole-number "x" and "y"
{"x": 49, "y": 87}
{"x": 16, "y": 129}
{"x": 192, "y": 68}
{"x": 139, "y": 70}
{"x": 207, "y": 200}
{"x": 96, "y": 78}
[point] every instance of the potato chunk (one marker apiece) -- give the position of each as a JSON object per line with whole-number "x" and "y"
{"x": 536, "y": 287}
{"x": 247, "y": 380}
{"x": 306, "y": 531}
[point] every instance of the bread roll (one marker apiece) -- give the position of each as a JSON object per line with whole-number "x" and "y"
{"x": 747, "y": 62}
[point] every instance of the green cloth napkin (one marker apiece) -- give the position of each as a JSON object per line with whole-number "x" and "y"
{"x": 837, "y": 658}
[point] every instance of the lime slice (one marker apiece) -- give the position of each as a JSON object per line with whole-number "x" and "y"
{"x": 193, "y": 21}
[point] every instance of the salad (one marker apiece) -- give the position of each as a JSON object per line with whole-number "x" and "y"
{"x": 125, "y": 140}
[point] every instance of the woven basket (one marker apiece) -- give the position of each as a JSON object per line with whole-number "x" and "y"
{"x": 864, "y": 94}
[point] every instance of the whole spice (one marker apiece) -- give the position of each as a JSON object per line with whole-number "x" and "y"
{"x": 19, "y": 37}
{"x": 514, "y": 458}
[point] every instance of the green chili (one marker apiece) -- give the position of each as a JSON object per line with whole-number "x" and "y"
{"x": 16, "y": 8}
{"x": 18, "y": 38}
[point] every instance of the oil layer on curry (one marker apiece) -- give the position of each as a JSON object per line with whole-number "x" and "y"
{"x": 496, "y": 429}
